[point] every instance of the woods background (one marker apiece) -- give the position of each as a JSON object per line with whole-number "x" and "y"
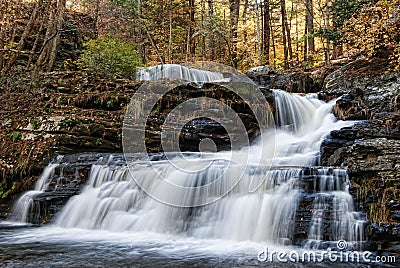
{"x": 241, "y": 33}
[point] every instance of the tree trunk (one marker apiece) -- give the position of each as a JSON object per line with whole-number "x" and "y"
{"x": 170, "y": 34}
{"x": 289, "y": 33}
{"x": 288, "y": 37}
{"x": 285, "y": 50}
{"x": 36, "y": 43}
{"x": 266, "y": 31}
{"x": 154, "y": 45}
{"x": 96, "y": 18}
{"x": 45, "y": 46}
{"x": 22, "y": 41}
{"x": 143, "y": 26}
{"x": 297, "y": 37}
{"x": 234, "y": 19}
{"x": 203, "y": 36}
{"x": 305, "y": 50}
{"x": 244, "y": 19}
{"x": 327, "y": 26}
{"x": 273, "y": 44}
{"x": 310, "y": 28}
{"x": 58, "y": 28}
{"x": 258, "y": 34}
{"x": 211, "y": 37}
{"x": 141, "y": 43}
{"x": 192, "y": 24}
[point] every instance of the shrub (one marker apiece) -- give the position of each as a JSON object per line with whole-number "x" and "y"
{"x": 110, "y": 57}
{"x": 15, "y": 136}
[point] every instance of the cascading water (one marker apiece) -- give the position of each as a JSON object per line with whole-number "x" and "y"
{"x": 282, "y": 203}
{"x": 177, "y": 71}
{"x": 25, "y": 204}
{"x": 282, "y": 197}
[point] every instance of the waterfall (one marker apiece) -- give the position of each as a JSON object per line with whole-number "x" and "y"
{"x": 25, "y": 204}
{"x": 293, "y": 111}
{"x": 282, "y": 198}
{"x": 177, "y": 71}
{"x": 265, "y": 205}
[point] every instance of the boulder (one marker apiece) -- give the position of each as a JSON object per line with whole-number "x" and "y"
{"x": 296, "y": 82}
{"x": 368, "y": 93}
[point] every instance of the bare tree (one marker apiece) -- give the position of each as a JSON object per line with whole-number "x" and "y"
{"x": 284, "y": 34}
{"x": 25, "y": 35}
{"x": 191, "y": 46}
{"x": 266, "y": 31}
{"x": 57, "y": 34}
{"x": 211, "y": 36}
{"x": 234, "y": 6}
{"x": 310, "y": 28}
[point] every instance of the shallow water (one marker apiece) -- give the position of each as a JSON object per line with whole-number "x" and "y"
{"x": 29, "y": 246}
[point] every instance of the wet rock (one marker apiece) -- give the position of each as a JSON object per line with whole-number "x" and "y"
{"x": 297, "y": 82}
{"x": 364, "y": 97}
{"x": 203, "y": 128}
{"x": 370, "y": 148}
{"x": 69, "y": 177}
{"x": 385, "y": 237}
{"x": 393, "y": 205}
{"x": 368, "y": 155}
{"x": 357, "y": 76}
{"x": 396, "y": 217}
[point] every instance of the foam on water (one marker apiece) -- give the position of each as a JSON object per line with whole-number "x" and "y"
{"x": 261, "y": 207}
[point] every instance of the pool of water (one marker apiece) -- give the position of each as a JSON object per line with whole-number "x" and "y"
{"x": 30, "y": 246}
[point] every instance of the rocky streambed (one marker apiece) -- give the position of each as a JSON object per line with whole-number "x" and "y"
{"x": 370, "y": 149}
{"x": 74, "y": 112}
{"x": 368, "y": 93}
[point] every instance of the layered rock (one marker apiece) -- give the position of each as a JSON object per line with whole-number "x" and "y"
{"x": 297, "y": 82}
{"x": 75, "y": 112}
{"x": 70, "y": 175}
{"x": 370, "y": 149}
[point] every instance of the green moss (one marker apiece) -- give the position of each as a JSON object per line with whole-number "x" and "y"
{"x": 99, "y": 141}
{"x": 15, "y": 136}
{"x": 68, "y": 122}
{"x": 4, "y": 191}
{"x": 35, "y": 123}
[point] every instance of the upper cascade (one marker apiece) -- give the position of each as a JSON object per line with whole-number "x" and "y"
{"x": 177, "y": 71}
{"x": 294, "y": 111}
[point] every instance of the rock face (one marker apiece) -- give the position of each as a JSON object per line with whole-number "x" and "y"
{"x": 75, "y": 112}
{"x": 370, "y": 149}
{"x": 70, "y": 175}
{"x": 297, "y": 82}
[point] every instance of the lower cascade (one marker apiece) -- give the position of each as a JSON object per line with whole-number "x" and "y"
{"x": 286, "y": 198}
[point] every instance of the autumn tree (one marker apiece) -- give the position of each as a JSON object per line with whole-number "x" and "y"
{"x": 341, "y": 11}
{"x": 375, "y": 31}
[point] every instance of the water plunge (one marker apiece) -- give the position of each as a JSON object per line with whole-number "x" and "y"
{"x": 292, "y": 201}
{"x": 177, "y": 71}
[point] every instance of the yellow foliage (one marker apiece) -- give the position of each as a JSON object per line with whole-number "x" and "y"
{"x": 375, "y": 31}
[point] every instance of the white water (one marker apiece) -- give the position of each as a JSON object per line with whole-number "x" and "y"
{"x": 177, "y": 71}
{"x": 24, "y": 204}
{"x": 261, "y": 207}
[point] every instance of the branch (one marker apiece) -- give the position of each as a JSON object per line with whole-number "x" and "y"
{"x": 15, "y": 50}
